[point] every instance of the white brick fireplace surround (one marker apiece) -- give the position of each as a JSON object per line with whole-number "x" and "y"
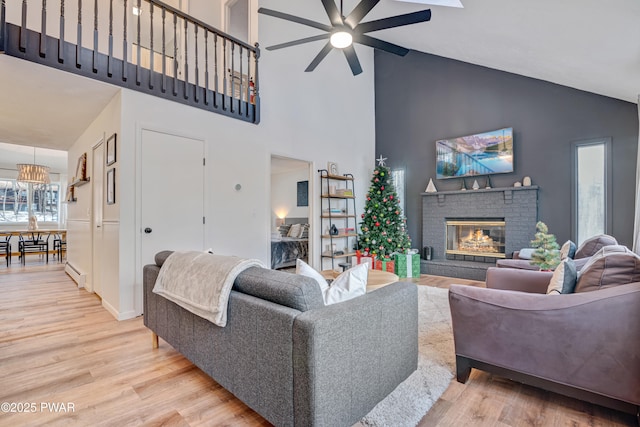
{"x": 517, "y": 205}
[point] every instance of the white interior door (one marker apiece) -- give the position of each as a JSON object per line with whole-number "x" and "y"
{"x": 172, "y": 194}
{"x": 96, "y": 217}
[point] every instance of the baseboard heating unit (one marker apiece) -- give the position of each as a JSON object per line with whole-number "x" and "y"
{"x": 77, "y": 276}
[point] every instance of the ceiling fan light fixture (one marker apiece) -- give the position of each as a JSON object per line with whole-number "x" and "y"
{"x": 341, "y": 39}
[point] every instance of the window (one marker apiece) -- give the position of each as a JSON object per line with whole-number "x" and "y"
{"x": 591, "y": 188}
{"x": 14, "y": 201}
{"x": 397, "y": 177}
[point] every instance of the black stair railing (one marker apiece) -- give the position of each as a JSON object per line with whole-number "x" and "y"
{"x": 164, "y": 51}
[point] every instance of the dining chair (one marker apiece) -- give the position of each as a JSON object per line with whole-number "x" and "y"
{"x": 33, "y": 242}
{"x": 5, "y": 247}
{"x": 60, "y": 244}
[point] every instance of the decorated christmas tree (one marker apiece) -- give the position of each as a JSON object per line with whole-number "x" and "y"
{"x": 547, "y": 254}
{"x": 383, "y": 224}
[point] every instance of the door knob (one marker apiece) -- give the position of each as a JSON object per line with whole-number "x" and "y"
{"x": 148, "y": 230}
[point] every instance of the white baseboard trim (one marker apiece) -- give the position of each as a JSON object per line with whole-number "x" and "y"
{"x": 115, "y": 313}
{"x": 77, "y": 276}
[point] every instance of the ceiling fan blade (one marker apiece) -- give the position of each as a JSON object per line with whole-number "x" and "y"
{"x": 332, "y": 12}
{"x": 352, "y": 59}
{"x": 380, "y": 44}
{"x": 394, "y": 21}
{"x": 295, "y": 19}
{"x": 324, "y": 52}
{"x": 300, "y": 41}
{"x": 360, "y": 12}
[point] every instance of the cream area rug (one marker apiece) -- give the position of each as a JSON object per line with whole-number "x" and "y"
{"x": 411, "y": 400}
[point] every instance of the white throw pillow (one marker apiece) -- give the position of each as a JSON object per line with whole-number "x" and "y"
{"x": 294, "y": 231}
{"x": 349, "y": 284}
{"x": 526, "y": 253}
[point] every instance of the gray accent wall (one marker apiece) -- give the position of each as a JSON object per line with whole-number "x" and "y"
{"x": 422, "y": 98}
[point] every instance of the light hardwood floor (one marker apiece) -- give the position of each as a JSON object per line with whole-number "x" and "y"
{"x": 59, "y": 346}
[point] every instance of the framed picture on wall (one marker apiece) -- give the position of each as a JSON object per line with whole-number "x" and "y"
{"x": 303, "y": 193}
{"x": 111, "y": 150}
{"x": 111, "y": 186}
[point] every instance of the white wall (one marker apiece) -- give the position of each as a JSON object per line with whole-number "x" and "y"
{"x": 284, "y": 195}
{"x": 327, "y": 115}
{"x": 79, "y": 236}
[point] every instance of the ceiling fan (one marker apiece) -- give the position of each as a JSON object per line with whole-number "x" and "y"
{"x": 344, "y": 31}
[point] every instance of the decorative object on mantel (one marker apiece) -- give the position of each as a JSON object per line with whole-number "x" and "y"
{"x": 517, "y": 184}
{"x": 476, "y": 186}
{"x": 526, "y": 181}
{"x": 81, "y": 168}
{"x": 464, "y": 186}
{"x": 431, "y": 187}
{"x": 488, "y": 186}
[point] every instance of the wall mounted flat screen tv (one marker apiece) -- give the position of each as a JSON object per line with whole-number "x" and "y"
{"x": 480, "y": 154}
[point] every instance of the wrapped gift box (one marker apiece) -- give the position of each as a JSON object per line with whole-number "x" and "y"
{"x": 386, "y": 264}
{"x": 408, "y": 265}
{"x": 360, "y": 258}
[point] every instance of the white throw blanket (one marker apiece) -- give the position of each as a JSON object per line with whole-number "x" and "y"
{"x": 201, "y": 282}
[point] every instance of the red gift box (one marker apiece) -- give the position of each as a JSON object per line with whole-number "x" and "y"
{"x": 368, "y": 259}
{"x": 386, "y": 264}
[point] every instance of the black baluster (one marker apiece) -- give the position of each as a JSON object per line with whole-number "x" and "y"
{"x": 79, "y": 39}
{"x": 249, "y": 81}
{"x": 197, "y": 81}
{"x": 164, "y": 57}
{"x": 138, "y": 50}
{"x": 256, "y": 87}
{"x": 61, "y": 39}
{"x": 43, "y": 30}
{"x": 186, "y": 59}
{"x": 206, "y": 67}
{"x": 241, "y": 83}
{"x": 151, "y": 60}
{"x": 232, "y": 75}
{"x": 95, "y": 36}
{"x": 125, "y": 59}
{"x": 110, "y": 58}
{"x": 3, "y": 23}
{"x": 224, "y": 73}
{"x": 175, "y": 54}
{"x": 215, "y": 70}
{"x": 23, "y": 28}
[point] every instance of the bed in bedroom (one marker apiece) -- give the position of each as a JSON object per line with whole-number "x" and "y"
{"x": 290, "y": 243}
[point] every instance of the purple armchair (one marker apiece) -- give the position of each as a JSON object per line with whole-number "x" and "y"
{"x": 583, "y": 345}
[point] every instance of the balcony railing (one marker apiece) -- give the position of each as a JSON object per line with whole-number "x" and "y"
{"x": 143, "y": 45}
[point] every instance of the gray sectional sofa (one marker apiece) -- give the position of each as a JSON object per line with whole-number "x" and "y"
{"x": 287, "y": 356}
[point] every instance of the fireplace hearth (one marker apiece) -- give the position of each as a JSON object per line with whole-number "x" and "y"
{"x": 468, "y": 230}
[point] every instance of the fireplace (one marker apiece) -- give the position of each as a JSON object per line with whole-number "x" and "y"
{"x": 475, "y": 237}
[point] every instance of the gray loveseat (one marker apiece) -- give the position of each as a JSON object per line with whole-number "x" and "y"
{"x": 287, "y": 356}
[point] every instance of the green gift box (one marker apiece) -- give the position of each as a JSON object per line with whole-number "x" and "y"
{"x": 408, "y": 265}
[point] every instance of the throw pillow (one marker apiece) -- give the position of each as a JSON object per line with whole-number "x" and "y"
{"x": 284, "y": 229}
{"x": 568, "y": 250}
{"x": 294, "y": 231}
{"x": 564, "y": 278}
{"x": 526, "y": 253}
{"x": 612, "y": 265}
{"x": 593, "y": 244}
{"x": 349, "y": 284}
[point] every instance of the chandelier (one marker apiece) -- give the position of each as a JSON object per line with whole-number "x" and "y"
{"x": 32, "y": 173}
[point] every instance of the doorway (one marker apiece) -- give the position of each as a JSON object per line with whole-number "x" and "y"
{"x": 291, "y": 212}
{"x": 96, "y": 218}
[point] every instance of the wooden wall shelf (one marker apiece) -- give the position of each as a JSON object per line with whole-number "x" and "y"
{"x": 80, "y": 182}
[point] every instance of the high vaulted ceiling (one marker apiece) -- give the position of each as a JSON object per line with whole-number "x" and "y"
{"x": 592, "y": 45}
